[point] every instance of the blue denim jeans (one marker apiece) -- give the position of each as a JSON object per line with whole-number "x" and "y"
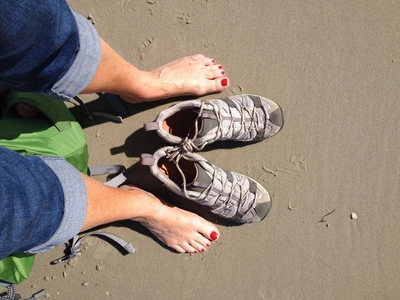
{"x": 43, "y": 202}
{"x": 46, "y": 48}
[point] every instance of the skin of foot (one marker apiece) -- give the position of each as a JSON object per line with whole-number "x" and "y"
{"x": 191, "y": 75}
{"x": 180, "y": 230}
{"x": 194, "y": 75}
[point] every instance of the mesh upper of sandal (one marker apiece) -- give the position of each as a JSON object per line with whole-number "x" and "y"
{"x": 228, "y": 194}
{"x": 245, "y": 118}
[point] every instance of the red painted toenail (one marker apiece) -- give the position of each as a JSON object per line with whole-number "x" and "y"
{"x": 202, "y": 250}
{"x": 213, "y": 61}
{"x": 195, "y": 251}
{"x": 220, "y": 67}
{"x": 214, "y": 235}
{"x": 224, "y": 82}
{"x": 222, "y": 72}
{"x": 208, "y": 245}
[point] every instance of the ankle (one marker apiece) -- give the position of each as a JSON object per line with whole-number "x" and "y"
{"x": 149, "y": 207}
{"x": 144, "y": 86}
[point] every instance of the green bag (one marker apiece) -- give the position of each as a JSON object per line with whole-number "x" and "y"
{"x": 54, "y": 132}
{"x": 45, "y": 134}
{"x": 15, "y": 268}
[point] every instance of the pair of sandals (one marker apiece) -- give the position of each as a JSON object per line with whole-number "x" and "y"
{"x": 190, "y": 126}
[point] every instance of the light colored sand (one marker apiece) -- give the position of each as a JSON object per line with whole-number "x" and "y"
{"x": 334, "y": 68}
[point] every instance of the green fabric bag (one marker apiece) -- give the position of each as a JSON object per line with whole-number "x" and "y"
{"x": 15, "y": 268}
{"x": 54, "y": 132}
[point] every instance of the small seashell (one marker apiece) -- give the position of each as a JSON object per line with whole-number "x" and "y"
{"x": 353, "y": 216}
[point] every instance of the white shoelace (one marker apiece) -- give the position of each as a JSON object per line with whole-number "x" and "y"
{"x": 246, "y": 123}
{"x": 254, "y": 118}
{"x": 180, "y": 151}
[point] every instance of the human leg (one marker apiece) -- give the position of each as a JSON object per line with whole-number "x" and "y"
{"x": 74, "y": 60}
{"x": 181, "y": 230}
{"x": 192, "y": 75}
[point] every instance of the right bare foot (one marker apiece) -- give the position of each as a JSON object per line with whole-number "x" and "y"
{"x": 191, "y": 75}
{"x": 179, "y": 229}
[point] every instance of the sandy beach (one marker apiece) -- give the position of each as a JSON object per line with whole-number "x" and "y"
{"x": 334, "y": 68}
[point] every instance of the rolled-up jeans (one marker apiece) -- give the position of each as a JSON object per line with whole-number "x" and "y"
{"x": 46, "y": 48}
{"x": 43, "y": 202}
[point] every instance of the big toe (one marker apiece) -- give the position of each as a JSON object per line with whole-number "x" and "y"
{"x": 211, "y": 86}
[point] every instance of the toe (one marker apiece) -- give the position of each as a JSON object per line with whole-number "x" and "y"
{"x": 189, "y": 248}
{"x": 223, "y": 83}
{"x": 209, "y": 62}
{"x": 178, "y": 249}
{"x": 213, "y": 68}
{"x": 214, "y": 235}
{"x": 198, "y": 57}
{"x": 201, "y": 245}
{"x": 213, "y": 74}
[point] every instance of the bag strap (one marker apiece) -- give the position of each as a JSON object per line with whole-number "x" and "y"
{"x": 114, "y": 182}
{"x": 109, "y": 169}
{"x": 12, "y": 294}
{"x": 76, "y": 243}
{"x": 115, "y": 102}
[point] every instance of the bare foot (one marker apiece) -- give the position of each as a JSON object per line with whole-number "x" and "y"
{"x": 179, "y": 229}
{"x": 191, "y": 75}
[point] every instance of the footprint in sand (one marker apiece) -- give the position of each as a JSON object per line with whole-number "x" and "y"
{"x": 184, "y": 18}
{"x": 125, "y": 3}
{"x": 147, "y": 46}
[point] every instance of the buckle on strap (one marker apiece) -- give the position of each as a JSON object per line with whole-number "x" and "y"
{"x": 76, "y": 242}
{"x": 12, "y": 294}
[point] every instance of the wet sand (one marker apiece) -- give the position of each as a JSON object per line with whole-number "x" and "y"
{"x": 334, "y": 68}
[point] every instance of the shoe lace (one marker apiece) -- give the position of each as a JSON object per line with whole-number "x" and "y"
{"x": 181, "y": 152}
{"x": 231, "y": 200}
{"x": 247, "y": 124}
{"x": 188, "y": 145}
{"x": 175, "y": 155}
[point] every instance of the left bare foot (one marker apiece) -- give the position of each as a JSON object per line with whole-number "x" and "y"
{"x": 191, "y": 75}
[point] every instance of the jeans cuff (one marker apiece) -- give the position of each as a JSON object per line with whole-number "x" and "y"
{"x": 75, "y": 203}
{"x": 85, "y": 65}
